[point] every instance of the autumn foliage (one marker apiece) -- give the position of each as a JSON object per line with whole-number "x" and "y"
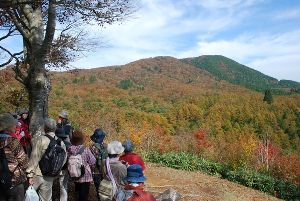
{"x": 171, "y": 106}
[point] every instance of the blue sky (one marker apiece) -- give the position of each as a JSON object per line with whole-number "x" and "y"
{"x": 262, "y": 34}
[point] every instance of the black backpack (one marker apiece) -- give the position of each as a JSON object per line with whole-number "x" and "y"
{"x": 53, "y": 159}
{"x": 5, "y": 174}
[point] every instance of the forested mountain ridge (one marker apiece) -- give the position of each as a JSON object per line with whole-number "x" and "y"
{"x": 165, "y": 104}
{"x": 227, "y": 69}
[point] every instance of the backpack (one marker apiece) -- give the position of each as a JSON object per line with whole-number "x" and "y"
{"x": 105, "y": 190}
{"x": 140, "y": 195}
{"x": 53, "y": 159}
{"x": 108, "y": 187}
{"x": 76, "y": 167}
{"x": 100, "y": 158}
{"x": 133, "y": 195}
{"x": 5, "y": 174}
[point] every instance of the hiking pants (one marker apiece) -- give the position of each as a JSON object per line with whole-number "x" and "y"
{"x": 63, "y": 184}
{"x": 82, "y": 191}
{"x": 15, "y": 194}
{"x": 43, "y": 186}
{"x": 97, "y": 179}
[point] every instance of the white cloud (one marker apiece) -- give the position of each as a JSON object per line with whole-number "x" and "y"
{"x": 186, "y": 28}
{"x": 275, "y": 55}
{"x": 281, "y": 67}
{"x": 161, "y": 27}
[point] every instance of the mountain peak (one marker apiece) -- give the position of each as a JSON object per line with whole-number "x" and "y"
{"x": 231, "y": 71}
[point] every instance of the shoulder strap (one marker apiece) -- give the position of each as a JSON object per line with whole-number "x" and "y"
{"x": 110, "y": 175}
{"x": 4, "y": 135}
{"x": 97, "y": 146}
{"x": 81, "y": 150}
{"x": 140, "y": 195}
{"x": 50, "y": 137}
{"x": 58, "y": 140}
{"x": 138, "y": 192}
{"x": 103, "y": 169}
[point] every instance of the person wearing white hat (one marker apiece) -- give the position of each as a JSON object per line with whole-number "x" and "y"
{"x": 118, "y": 169}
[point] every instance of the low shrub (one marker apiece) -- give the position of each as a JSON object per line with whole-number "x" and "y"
{"x": 125, "y": 84}
{"x": 253, "y": 179}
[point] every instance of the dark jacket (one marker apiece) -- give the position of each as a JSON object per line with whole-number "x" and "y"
{"x": 67, "y": 128}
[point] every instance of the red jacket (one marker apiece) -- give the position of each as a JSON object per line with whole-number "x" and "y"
{"x": 24, "y": 132}
{"x": 17, "y": 134}
{"x": 132, "y": 158}
{"x": 139, "y": 194}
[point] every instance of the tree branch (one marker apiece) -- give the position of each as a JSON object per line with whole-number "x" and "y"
{"x": 18, "y": 16}
{"x": 12, "y": 56}
{"x": 19, "y": 27}
{"x": 9, "y": 33}
{"x": 50, "y": 29}
{"x": 19, "y": 76}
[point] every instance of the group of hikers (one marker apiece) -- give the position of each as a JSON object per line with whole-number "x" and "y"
{"x": 61, "y": 153}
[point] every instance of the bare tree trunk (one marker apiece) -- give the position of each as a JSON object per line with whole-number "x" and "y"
{"x": 38, "y": 89}
{"x": 38, "y": 85}
{"x": 267, "y": 154}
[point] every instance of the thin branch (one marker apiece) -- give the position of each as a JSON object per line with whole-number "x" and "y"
{"x": 19, "y": 76}
{"x": 9, "y": 33}
{"x": 21, "y": 21}
{"x": 12, "y": 56}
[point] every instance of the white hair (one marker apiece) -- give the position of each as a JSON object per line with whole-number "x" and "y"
{"x": 50, "y": 124}
{"x": 7, "y": 121}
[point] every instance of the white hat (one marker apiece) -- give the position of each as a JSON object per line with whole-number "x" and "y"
{"x": 115, "y": 147}
{"x": 64, "y": 114}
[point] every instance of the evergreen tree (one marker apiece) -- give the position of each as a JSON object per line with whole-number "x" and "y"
{"x": 268, "y": 96}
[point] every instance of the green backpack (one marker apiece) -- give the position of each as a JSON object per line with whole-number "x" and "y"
{"x": 101, "y": 157}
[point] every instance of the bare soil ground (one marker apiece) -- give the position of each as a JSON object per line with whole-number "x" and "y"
{"x": 196, "y": 186}
{"x": 193, "y": 186}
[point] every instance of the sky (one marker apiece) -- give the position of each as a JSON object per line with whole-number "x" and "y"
{"x": 261, "y": 34}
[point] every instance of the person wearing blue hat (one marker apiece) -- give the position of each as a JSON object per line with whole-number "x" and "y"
{"x": 134, "y": 189}
{"x": 99, "y": 150}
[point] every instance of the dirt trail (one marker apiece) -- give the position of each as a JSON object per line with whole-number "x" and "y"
{"x": 193, "y": 186}
{"x": 196, "y": 186}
